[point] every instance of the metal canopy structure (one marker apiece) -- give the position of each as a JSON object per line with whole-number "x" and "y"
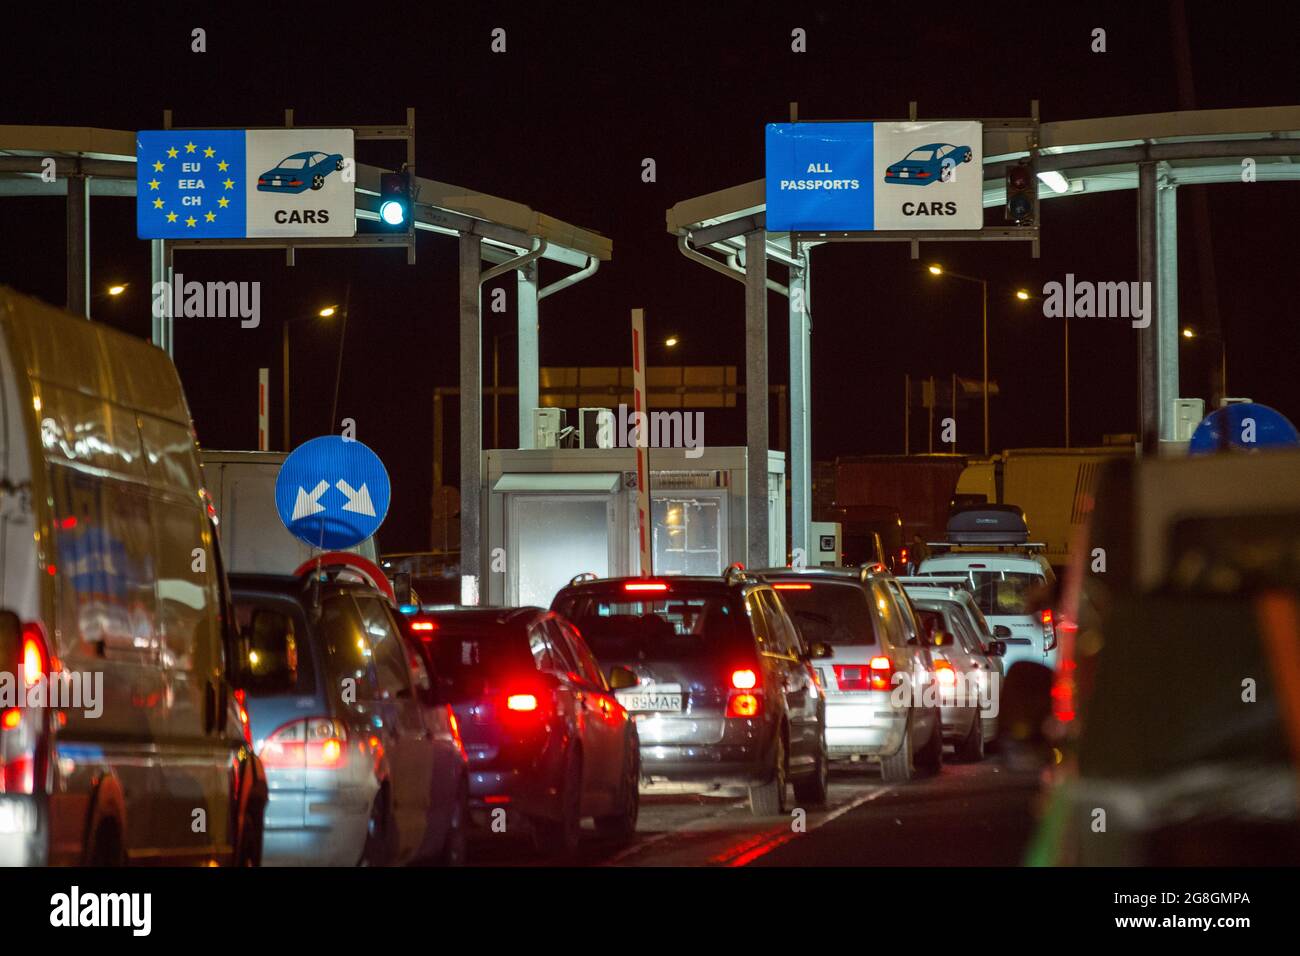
{"x": 1153, "y": 153}
{"x": 508, "y": 235}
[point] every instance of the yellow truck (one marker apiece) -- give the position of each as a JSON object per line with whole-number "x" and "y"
{"x": 1054, "y": 488}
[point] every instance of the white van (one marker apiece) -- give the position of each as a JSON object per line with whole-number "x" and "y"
{"x": 112, "y": 594}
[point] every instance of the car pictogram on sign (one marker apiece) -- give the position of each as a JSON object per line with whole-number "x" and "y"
{"x": 300, "y": 172}
{"x": 925, "y": 164}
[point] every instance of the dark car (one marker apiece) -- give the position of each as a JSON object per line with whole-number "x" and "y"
{"x": 926, "y": 164}
{"x": 299, "y": 172}
{"x": 724, "y": 695}
{"x": 362, "y": 767}
{"x": 546, "y": 737}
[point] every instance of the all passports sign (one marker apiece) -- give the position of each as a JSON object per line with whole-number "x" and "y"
{"x": 245, "y": 184}
{"x": 865, "y": 177}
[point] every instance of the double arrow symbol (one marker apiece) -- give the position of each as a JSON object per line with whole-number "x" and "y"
{"x": 307, "y": 505}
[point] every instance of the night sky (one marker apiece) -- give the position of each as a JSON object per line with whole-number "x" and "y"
{"x": 562, "y": 121}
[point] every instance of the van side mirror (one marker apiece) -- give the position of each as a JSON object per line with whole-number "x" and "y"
{"x": 11, "y": 637}
{"x": 270, "y": 652}
{"x": 620, "y": 678}
{"x": 997, "y": 648}
{"x": 1001, "y": 630}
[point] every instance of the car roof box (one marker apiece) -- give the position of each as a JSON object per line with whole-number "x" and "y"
{"x": 988, "y": 524}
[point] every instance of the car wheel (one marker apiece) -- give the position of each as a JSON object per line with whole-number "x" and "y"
{"x": 930, "y": 759}
{"x": 899, "y": 768}
{"x": 559, "y": 838}
{"x": 381, "y": 847}
{"x": 968, "y": 157}
{"x": 338, "y": 165}
{"x": 812, "y": 789}
{"x": 971, "y": 750}
{"x": 621, "y": 826}
{"x": 317, "y": 181}
{"x": 455, "y": 848}
{"x": 768, "y": 799}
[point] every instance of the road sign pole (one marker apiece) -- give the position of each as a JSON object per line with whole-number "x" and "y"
{"x": 263, "y": 416}
{"x": 642, "y": 443}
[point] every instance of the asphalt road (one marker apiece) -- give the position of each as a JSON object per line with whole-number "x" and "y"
{"x": 971, "y": 815}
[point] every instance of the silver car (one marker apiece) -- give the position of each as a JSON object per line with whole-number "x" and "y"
{"x": 877, "y": 678}
{"x": 968, "y": 683}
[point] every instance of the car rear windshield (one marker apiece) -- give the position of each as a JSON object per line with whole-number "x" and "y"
{"x": 934, "y": 622}
{"x": 1001, "y": 592}
{"x": 835, "y": 614}
{"x": 622, "y": 626}
{"x": 468, "y": 660}
{"x": 246, "y": 605}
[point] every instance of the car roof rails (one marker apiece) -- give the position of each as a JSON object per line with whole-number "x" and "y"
{"x": 870, "y": 572}
{"x": 736, "y": 574}
{"x": 1023, "y": 547}
{"x": 584, "y": 576}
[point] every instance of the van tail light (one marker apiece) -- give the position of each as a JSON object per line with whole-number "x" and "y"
{"x": 313, "y": 743}
{"x": 33, "y": 664}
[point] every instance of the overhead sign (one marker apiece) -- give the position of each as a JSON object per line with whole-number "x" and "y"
{"x": 244, "y": 184}
{"x": 332, "y": 493}
{"x": 1243, "y": 426}
{"x": 867, "y": 177}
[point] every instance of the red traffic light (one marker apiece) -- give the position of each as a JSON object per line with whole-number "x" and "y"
{"x": 1018, "y": 177}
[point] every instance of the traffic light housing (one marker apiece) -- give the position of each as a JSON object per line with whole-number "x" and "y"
{"x": 1022, "y": 194}
{"x": 395, "y": 204}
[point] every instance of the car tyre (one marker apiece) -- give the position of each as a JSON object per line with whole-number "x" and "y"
{"x": 338, "y": 165}
{"x": 381, "y": 835}
{"x": 930, "y": 759}
{"x": 900, "y": 767}
{"x": 455, "y": 848}
{"x": 621, "y": 826}
{"x": 768, "y": 799}
{"x": 559, "y": 838}
{"x": 812, "y": 790}
{"x": 317, "y": 181}
{"x": 971, "y": 750}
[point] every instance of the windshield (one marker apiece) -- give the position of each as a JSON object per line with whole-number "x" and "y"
{"x": 834, "y": 614}
{"x": 1004, "y": 592}
{"x": 469, "y": 660}
{"x": 618, "y": 627}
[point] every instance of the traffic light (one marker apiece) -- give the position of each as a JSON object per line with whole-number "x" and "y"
{"x": 395, "y": 202}
{"x": 1022, "y": 194}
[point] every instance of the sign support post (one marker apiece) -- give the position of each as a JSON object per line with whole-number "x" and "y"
{"x": 642, "y": 419}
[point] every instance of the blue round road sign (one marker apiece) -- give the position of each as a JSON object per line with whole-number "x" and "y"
{"x": 1244, "y": 426}
{"x": 332, "y": 493}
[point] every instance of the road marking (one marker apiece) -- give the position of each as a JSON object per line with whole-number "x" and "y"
{"x": 783, "y": 837}
{"x": 636, "y": 848}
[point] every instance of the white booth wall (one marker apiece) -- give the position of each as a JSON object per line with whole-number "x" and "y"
{"x": 553, "y": 513}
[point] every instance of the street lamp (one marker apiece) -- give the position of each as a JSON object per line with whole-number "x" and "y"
{"x": 117, "y": 288}
{"x": 984, "y": 296}
{"x": 671, "y": 341}
{"x": 325, "y": 313}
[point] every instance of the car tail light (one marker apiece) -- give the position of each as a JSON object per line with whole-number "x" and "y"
{"x": 1047, "y": 617}
{"x": 424, "y": 627}
{"x": 36, "y": 660}
{"x": 295, "y": 182}
{"x": 744, "y": 679}
{"x": 744, "y": 704}
{"x": 902, "y": 555}
{"x": 882, "y": 673}
{"x": 921, "y": 174}
{"x": 645, "y": 586}
{"x": 944, "y": 674}
{"x": 313, "y": 743}
{"x": 241, "y": 703}
{"x": 454, "y": 726}
{"x": 793, "y": 587}
{"x": 18, "y": 774}
{"x": 521, "y": 702}
{"x": 854, "y": 676}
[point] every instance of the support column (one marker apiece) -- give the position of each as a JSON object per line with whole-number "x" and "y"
{"x": 800, "y": 399}
{"x": 471, "y": 418}
{"x": 528, "y": 361}
{"x": 157, "y": 274}
{"x": 1148, "y": 378}
{"x": 756, "y": 399}
{"x": 78, "y": 257}
{"x": 1167, "y": 304}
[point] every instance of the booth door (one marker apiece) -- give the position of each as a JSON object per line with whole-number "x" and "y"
{"x": 551, "y": 539}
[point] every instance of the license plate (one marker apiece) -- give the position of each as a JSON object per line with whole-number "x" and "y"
{"x": 903, "y": 175}
{"x": 651, "y": 700}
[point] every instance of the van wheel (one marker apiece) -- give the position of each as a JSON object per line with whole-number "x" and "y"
{"x": 768, "y": 799}
{"x": 107, "y": 849}
{"x": 899, "y": 768}
{"x": 811, "y": 790}
{"x": 559, "y": 838}
{"x": 621, "y": 826}
{"x": 381, "y": 835}
{"x": 971, "y": 750}
{"x": 455, "y": 848}
{"x": 930, "y": 759}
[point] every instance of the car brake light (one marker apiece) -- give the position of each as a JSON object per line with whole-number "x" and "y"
{"x": 11, "y": 719}
{"x": 313, "y": 743}
{"x": 424, "y": 626}
{"x": 944, "y": 674}
{"x": 240, "y": 704}
{"x": 744, "y": 679}
{"x": 1047, "y": 617}
{"x": 882, "y": 673}
{"x": 744, "y": 705}
{"x": 645, "y": 586}
{"x": 521, "y": 702}
{"x": 295, "y": 182}
{"x": 902, "y": 555}
{"x": 36, "y": 662}
{"x": 454, "y": 726}
{"x": 18, "y": 774}
{"x": 793, "y": 587}
{"x": 921, "y": 174}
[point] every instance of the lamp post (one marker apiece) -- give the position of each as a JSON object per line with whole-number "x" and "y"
{"x": 1191, "y": 334}
{"x": 984, "y": 311}
{"x": 1024, "y": 296}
